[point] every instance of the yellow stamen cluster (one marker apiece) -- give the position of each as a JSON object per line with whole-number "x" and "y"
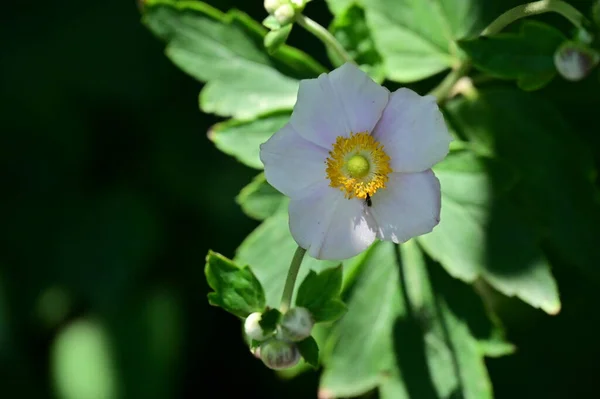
{"x": 346, "y": 165}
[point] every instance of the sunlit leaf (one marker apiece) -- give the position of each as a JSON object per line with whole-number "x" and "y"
{"x": 243, "y": 139}
{"x": 481, "y": 234}
{"x": 236, "y": 289}
{"x": 416, "y": 38}
{"x": 407, "y": 332}
{"x": 241, "y": 79}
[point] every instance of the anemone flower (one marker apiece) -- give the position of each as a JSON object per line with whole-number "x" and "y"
{"x": 355, "y": 161}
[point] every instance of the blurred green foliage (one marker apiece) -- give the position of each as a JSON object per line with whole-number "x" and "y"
{"x": 113, "y": 193}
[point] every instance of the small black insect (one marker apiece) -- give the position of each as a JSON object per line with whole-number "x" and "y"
{"x": 368, "y": 200}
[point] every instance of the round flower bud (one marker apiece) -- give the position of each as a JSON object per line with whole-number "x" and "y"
{"x": 252, "y": 327}
{"x": 574, "y": 61}
{"x": 284, "y": 14}
{"x": 297, "y": 324}
{"x": 277, "y": 354}
{"x": 298, "y": 4}
{"x": 272, "y": 5}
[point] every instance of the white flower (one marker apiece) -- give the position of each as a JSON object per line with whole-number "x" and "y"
{"x": 356, "y": 162}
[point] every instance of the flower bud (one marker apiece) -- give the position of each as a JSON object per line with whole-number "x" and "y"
{"x": 277, "y": 354}
{"x": 297, "y": 324}
{"x": 298, "y": 4}
{"x": 272, "y": 5}
{"x": 253, "y": 329}
{"x": 574, "y": 61}
{"x": 284, "y": 14}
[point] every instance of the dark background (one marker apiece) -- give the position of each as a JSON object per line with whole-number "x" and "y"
{"x": 112, "y": 195}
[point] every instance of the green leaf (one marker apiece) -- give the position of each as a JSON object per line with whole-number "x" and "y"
{"x": 276, "y": 38}
{"x": 242, "y": 139}
{"x": 269, "y": 249}
{"x": 351, "y": 30}
{"x": 363, "y": 347}
{"x": 555, "y": 192}
{"x": 416, "y": 38}
{"x": 406, "y": 333}
{"x": 319, "y": 288}
{"x": 329, "y": 311}
{"x": 339, "y": 6}
{"x": 259, "y": 199}
{"x": 237, "y": 290}
{"x": 310, "y": 351}
{"x": 527, "y": 56}
{"x": 241, "y": 79}
{"x": 269, "y": 320}
{"x": 477, "y": 227}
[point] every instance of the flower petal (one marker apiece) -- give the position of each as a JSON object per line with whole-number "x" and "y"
{"x": 344, "y": 101}
{"x": 292, "y": 164}
{"x": 409, "y": 206}
{"x": 412, "y": 131}
{"x": 330, "y": 226}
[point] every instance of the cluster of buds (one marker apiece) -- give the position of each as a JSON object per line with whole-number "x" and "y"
{"x": 284, "y": 11}
{"x": 278, "y": 349}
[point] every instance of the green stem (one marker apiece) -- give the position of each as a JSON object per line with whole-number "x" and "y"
{"x": 443, "y": 90}
{"x": 537, "y": 7}
{"x": 323, "y": 35}
{"x": 290, "y": 282}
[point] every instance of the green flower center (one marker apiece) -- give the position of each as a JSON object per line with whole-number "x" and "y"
{"x": 358, "y": 166}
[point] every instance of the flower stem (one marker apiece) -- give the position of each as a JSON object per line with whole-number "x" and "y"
{"x": 444, "y": 89}
{"x": 323, "y": 35}
{"x": 536, "y": 7}
{"x": 290, "y": 282}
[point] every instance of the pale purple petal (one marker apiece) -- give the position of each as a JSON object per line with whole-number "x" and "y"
{"x": 330, "y": 226}
{"x": 409, "y": 206}
{"x": 292, "y": 164}
{"x": 412, "y": 131}
{"x": 336, "y": 104}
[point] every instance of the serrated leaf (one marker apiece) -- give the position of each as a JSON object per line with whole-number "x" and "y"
{"x": 477, "y": 225}
{"x": 555, "y": 192}
{"x": 241, "y": 79}
{"x": 329, "y": 311}
{"x": 310, "y": 351}
{"x": 242, "y": 139}
{"x": 416, "y": 38}
{"x": 259, "y": 199}
{"x": 405, "y": 333}
{"x": 317, "y": 290}
{"x": 237, "y": 290}
{"x": 351, "y": 31}
{"x": 527, "y": 56}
